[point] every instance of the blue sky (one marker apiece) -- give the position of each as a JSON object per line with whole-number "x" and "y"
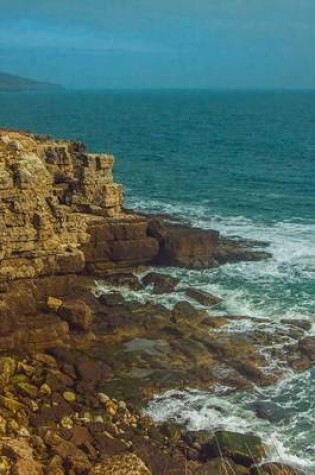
{"x": 159, "y": 43}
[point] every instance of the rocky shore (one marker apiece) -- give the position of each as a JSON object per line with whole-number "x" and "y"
{"x": 79, "y": 361}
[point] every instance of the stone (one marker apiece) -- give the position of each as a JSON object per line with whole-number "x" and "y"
{"x": 66, "y": 422}
{"x": 185, "y": 312}
{"x": 161, "y": 283}
{"x": 75, "y": 458}
{"x": 128, "y": 464}
{"x": 121, "y": 279}
{"x": 27, "y": 389}
{"x": 54, "y": 304}
{"x": 103, "y": 398}
{"x": 200, "y": 440}
{"x": 5, "y": 465}
{"x": 273, "y": 468}
{"x": 184, "y": 246}
{"x": 111, "y": 299}
{"x": 69, "y": 396}
{"x": 55, "y": 466}
{"x": 202, "y": 297}
{"x": 221, "y": 465}
{"x": 77, "y": 313}
{"x": 244, "y": 449}
{"x": 307, "y": 346}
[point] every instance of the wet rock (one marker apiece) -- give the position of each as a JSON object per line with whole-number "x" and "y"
{"x": 213, "y": 322}
{"x": 77, "y": 313}
{"x": 300, "y": 323}
{"x": 270, "y": 411}
{"x": 244, "y": 449}
{"x": 161, "y": 283}
{"x": 184, "y": 246}
{"x": 201, "y": 442}
{"x": 221, "y": 465}
{"x": 121, "y": 279}
{"x": 307, "y": 346}
{"x": 185, "y": 312}
{"x": 232, "y": 250}
{"x": 172, "y": 431}
{"x": 275, "y": 469}
{"x": 202, "y": 297}
{"x": 111, "y": 299}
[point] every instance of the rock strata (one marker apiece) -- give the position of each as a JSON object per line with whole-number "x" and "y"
{"x": 75, "y": 222}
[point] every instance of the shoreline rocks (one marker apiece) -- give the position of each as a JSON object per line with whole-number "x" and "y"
{"x": 75, "y": 370}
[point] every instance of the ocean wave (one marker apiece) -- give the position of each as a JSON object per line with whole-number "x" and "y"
{"x": 290, "y": 438}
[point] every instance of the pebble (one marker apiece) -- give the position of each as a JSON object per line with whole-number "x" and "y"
{"x": 103, "y": 398}
{"x": 69, "y": 396}
{"x": 24, "y": 432}
{"x": 45, "y": 390}
{"x": 66, "y": 422}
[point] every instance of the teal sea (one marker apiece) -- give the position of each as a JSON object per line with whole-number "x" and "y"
{"x": 242, "y": 163}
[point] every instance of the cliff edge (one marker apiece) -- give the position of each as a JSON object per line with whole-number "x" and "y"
{"x": 51, "y": 194}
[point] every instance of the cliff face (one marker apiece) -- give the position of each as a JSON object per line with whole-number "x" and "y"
{"x": 61, "y": 213}
{"x": 50, "y": 191}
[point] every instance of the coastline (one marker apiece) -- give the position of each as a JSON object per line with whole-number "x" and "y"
{"x": 124, "y": 350}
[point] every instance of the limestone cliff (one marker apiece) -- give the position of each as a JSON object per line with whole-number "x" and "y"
{"x": 61, "y": 212}
{"x": 51, "y": 193}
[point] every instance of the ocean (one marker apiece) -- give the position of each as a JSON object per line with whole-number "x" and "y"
{"x": 242, "y": 162}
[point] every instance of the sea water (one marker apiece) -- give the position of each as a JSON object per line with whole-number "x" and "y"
{"x": 240, "y": 162}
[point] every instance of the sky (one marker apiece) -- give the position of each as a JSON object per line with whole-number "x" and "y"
{"x": 160, "y": 43}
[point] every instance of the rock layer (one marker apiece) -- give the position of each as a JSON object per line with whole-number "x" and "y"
{"x": 54, "y": 198}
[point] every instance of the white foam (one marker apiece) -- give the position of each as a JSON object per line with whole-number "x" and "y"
{"x": 200, "y": 410}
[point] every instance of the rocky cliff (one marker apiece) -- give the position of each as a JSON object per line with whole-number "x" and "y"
{"x": 61, "y": 212}
{"x": 52, "y": 194}
{"x": 78, "y": 359}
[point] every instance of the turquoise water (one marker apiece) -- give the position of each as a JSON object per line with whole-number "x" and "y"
{"x": 240, "y": 162}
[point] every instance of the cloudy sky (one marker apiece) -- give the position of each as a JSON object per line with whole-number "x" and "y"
{"x": 160, "y": 43}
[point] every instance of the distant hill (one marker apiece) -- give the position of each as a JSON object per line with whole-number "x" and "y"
{"x": 9, "y": 82}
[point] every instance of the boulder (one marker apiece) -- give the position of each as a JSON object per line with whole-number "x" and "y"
{"x": 121, "y": 279}
{"x": 161, "y": 283}
{"x": 202, "y": 297}
{"x": 72, "y": 457}
{"x": 77, "y": 313}
{"x": 275, "y": 469}
{"x": 307, "y": 346}
{"x": 184, "y": 312}
{"x": 122, "y": 464}
{"x": 221, "y": 465}
{"x": 243, "y": 449}
{"x": 184, "y": 246}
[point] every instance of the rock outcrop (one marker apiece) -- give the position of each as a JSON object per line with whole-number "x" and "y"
{"x": 54, "y": 199}
{"x": 61, "y": 212}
